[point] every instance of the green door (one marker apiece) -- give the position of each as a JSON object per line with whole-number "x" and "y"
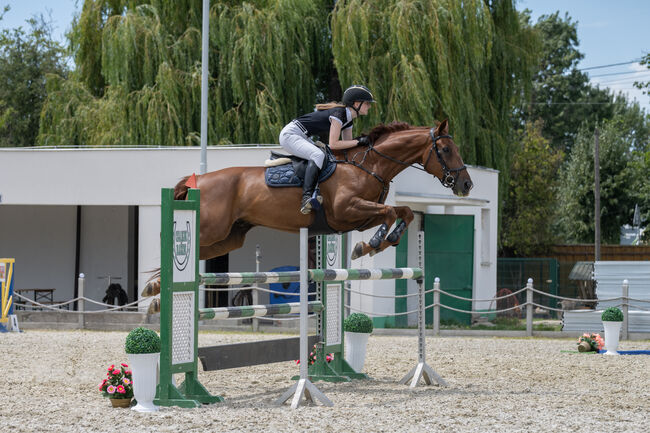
{"x": 449, "y": 255}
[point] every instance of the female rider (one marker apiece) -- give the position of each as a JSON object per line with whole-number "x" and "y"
{"x": 332, "y": 118}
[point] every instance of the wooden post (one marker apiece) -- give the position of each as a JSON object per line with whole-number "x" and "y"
{"x": 596, "y": 195}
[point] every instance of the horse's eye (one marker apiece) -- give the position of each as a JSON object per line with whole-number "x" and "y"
{"x": 445, "y": 149}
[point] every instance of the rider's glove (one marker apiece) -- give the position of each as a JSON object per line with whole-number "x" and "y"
{"x": 364, "y": 140}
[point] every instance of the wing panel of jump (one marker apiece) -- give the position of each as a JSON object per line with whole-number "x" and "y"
{"x": 253, "y": 353}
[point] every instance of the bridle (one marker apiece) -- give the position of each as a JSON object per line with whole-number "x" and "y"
{"x": 449, "y": 175}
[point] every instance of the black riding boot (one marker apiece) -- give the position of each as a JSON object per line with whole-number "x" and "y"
{"x": 311, "y": 179}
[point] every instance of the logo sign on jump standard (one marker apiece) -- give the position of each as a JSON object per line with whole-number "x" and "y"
{"x": 333, "y": 247}
{"x": 183, "y": 257}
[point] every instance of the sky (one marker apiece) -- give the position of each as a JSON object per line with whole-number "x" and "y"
{"x": 609, "y": 33}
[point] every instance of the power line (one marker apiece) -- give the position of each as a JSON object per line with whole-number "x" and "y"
{"x": 607, "y": 66}
{"x": 620, "y": 73}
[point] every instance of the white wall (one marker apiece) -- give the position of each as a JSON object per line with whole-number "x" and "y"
{"x": 42, "y": 240}
{"x": 120, "y": 177}
{"x": 103, "y": 250}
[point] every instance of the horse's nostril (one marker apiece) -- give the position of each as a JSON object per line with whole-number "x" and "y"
{"x": 468, "y": 185}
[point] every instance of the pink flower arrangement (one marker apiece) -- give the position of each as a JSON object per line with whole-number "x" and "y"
{"x": 595, "y": 341}
{"x": 312, "y": 357}
{"x": 118, "y": 384}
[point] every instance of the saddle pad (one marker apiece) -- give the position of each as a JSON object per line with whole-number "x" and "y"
{"x": 285, "y": 175}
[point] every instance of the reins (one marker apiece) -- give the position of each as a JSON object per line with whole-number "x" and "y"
{"x": 448, "y": 179}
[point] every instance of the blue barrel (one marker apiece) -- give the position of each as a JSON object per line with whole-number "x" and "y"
{"x": 291, "y": 289}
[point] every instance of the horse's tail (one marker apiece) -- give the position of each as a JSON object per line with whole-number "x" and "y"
{"x": 180, "y": 190}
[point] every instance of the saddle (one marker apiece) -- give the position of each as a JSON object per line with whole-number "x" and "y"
{"x": 289, "y": 170}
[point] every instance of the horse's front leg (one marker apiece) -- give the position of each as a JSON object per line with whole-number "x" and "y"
{"x": 406, "y": 215}
{"x": 377, "y": 213}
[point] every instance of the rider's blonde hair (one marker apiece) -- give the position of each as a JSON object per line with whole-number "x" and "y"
{"x": 329, "y": 105}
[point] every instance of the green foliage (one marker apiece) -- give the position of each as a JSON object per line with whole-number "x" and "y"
{"x": 26, "y": 57}
{"x": 617, "y": 174}
{"x": 612, "y": 314}
{"x": 562, "y": 96}
{"x": 358, "y": 322}
{"x": 139, "y": 72}
{"x": 530, "y": 206}
{"x": 644, "y": 85}
{"x": 428, "y": 60}
{"x": 142, "y": 340}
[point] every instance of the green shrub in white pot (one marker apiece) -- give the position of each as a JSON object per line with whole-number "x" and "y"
{"x": 143, "y": 349}
{"x": 357, "y": 327}
{"x": 612, "y": 319}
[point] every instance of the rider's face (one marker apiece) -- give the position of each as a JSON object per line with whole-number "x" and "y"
{"x": 365, "y": 106}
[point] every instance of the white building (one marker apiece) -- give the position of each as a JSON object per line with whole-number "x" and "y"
{"x": 97, "y": 211}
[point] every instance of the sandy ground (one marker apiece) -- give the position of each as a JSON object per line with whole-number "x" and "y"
{"x": 50, "y": 380}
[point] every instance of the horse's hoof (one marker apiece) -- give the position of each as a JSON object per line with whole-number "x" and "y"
{"x": 154, "y": 306}
{"x": 373, "y": 252}
{"x": 357, "y": 252}
{"x": 151, "y": 289}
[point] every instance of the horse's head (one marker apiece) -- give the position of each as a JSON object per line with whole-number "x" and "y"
{"x": 443, "y": 160}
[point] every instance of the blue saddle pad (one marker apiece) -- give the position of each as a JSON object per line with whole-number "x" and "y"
{"x": 292, "y": 173}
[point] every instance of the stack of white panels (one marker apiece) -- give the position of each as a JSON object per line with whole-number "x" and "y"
{"x": 609, "y": 278}
{"x": 589, "y": 321}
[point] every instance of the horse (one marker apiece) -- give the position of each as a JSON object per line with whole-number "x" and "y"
{"x": 236, "y": 199}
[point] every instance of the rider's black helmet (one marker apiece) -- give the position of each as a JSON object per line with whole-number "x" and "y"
{"x": 356, "y": 92}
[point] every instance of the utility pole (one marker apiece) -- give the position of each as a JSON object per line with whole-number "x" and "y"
{"x": 596, "y": 195}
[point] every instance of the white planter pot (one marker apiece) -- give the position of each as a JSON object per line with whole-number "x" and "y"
{"x": 612, "y": 330}
{"x": 144, "y": 367}
{"x": 355, "y": 349}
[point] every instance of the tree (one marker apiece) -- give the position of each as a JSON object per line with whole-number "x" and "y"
{"x": 562, "y": 95}
{"x": 138, "y": 70}
{"x": 138, "y": 78}
{"x": 617, "y": 180}
{"x": 530, "y": 206}
{"x": 26, "y": 57}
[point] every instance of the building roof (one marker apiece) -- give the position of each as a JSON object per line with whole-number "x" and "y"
{"x": 582, "y": 271}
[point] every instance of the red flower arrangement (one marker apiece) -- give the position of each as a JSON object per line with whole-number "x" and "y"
{"x": 118, "y": 383}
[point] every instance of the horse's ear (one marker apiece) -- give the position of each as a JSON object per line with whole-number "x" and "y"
{"x": 443, "y": 128}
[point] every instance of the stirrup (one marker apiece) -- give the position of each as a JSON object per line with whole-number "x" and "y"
{"x": 306, "y": 206}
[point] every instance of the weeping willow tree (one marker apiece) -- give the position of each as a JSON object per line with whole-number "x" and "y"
{"x": 434, "y": 59}
{"x": 137, "y": 80}
{"x": 138, "y": 75}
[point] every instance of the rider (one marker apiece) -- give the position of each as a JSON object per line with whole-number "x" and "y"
{"x": 333, "y": 118}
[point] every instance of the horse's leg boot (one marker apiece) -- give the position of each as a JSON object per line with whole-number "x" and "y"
{"x": 308, "y": 186}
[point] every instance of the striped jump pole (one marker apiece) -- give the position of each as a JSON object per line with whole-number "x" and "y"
{"x": 257, "y": 310}
{"x": 316, "y": 275}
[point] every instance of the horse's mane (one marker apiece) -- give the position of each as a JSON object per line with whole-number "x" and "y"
{"x": 383, "y": 129}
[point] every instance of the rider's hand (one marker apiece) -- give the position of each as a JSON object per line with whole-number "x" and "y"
{"x": 363, "y": 140}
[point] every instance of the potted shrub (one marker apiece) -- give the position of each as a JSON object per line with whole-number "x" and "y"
{"x": 357, "y": 327}
{"x": 118, "y": 386}
{"x": 612, "y": 319}
{"x": 143, "y": 348}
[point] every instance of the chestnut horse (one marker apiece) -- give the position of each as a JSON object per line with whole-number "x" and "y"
{"x": 236, "y": 199}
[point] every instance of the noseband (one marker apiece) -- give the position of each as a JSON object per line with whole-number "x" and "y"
{"x": 449, "y": 175}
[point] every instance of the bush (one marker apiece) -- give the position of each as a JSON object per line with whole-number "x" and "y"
{"x": 612, "y": 314}
{"x": 358, "y": 322}
{"x": 142, "y": 340}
